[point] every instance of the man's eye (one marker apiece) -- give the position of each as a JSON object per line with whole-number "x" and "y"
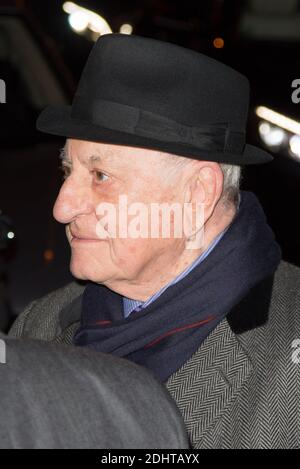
{"x": 99, "y": 176}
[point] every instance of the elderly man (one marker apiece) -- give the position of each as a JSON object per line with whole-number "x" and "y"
{"x": 211, "y": 311}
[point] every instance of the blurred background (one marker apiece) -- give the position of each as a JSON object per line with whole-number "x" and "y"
{"x": 43, "y": 48}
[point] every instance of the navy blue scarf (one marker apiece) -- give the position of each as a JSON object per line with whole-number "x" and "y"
{"x": 165, "y": 334}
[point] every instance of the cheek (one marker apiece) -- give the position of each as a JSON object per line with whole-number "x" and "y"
{"x": 130, "y": 254}
{"x": 124, "y": 250}
{"x": 136, "y": 253}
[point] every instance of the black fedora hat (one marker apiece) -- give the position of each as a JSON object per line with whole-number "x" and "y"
{"x": 142, "y": 92}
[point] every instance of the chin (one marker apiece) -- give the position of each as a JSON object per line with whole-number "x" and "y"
{"x": 81, "y": 272}
{"x": 78, "y": 274}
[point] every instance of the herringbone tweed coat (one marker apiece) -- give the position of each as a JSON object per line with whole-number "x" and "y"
{"x": 241, "y": 388}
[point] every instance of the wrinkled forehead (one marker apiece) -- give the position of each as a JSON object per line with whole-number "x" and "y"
{"x": 83, "y": 149}
{"x": 114, "y": 155}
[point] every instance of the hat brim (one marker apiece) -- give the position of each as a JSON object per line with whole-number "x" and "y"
{"x": 57, "y": 120}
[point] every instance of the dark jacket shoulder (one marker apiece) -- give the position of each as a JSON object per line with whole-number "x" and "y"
{"x": 41, "y": 318}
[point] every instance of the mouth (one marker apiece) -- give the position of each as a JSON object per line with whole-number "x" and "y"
{"x": 73, "y": 238}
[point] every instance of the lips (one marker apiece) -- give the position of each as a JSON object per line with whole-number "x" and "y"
{"x": 79, "y": 237}
{"x": 82, "y": 237}
{"x": 76, "y": 235}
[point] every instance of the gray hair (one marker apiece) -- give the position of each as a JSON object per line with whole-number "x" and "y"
{"x": 231, "y": 184}
{"x": 231, "y": 177}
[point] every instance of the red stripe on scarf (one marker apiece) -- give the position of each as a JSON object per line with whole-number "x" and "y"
{"x": 102, "y": 323}
{"x": 179, "y": 329}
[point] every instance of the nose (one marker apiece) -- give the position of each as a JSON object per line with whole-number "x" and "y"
{"x": 72, "y": 201}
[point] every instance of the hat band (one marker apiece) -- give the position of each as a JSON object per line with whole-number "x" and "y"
{"x": 123, "y": 118}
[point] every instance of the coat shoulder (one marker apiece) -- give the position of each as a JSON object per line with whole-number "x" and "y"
{"x": 285, "y": 300}
{"x": 288, "y": 275}
{"x": 40, "y": 319}
{"x": 273, "y": 340}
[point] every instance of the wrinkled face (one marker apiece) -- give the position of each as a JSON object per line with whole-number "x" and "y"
{"x": 97, "y": 174}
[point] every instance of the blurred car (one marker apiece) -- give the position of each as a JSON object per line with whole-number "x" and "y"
{"x": 30, "y": 177}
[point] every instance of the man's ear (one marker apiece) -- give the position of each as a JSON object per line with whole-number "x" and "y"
{"x": 204, "y": 190}
{"x": 206, "y": 186}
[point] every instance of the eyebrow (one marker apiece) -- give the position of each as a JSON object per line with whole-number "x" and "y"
{"x": 95, "y": 159}
{"x": 63, "y": 155}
